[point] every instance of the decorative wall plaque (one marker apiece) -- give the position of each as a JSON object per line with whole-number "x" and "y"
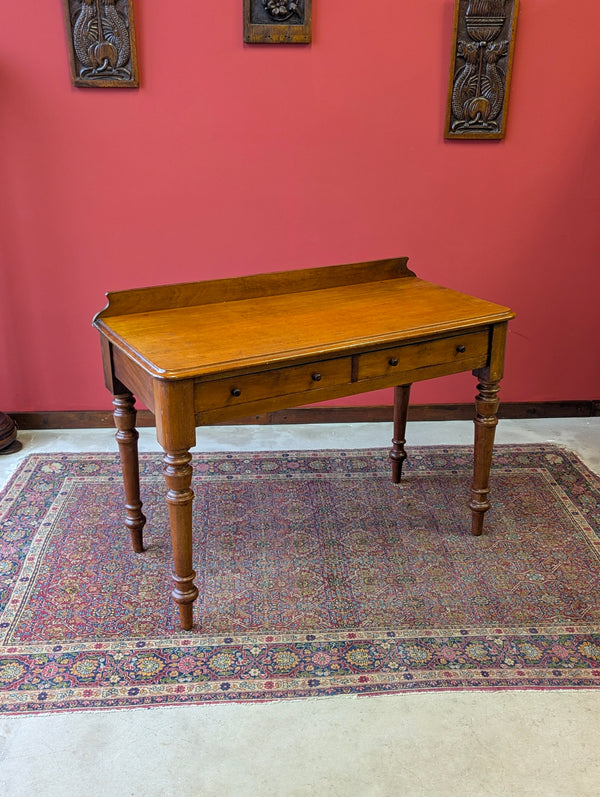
{"x": 481, "y": 66}
{"x": 102, "y": 47}
{"x": 277, "y": 21}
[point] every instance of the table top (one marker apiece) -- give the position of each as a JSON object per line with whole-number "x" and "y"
{"x": 198, "y": 329}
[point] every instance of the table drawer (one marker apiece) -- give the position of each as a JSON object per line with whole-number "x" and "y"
{"x": 467, "y": 348}
{"x": 232, "y": 391}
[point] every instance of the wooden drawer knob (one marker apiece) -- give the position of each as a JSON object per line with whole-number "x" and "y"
{"x": 461, "y": 349}
{"x": 393, "y": 362}
{"x": 316, "y": 377}
{"x": 236, "y": 392}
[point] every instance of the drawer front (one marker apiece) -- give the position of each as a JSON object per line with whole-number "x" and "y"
{"x": 468, "y": 347}
{"x": 233, "y": 391}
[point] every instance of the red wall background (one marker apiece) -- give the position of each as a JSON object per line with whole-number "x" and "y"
{"x": 235, "y": 158}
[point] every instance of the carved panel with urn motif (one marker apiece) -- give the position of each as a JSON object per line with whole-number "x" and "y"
{"x": 102, "y": 46}
{"x": 481, "y": 67}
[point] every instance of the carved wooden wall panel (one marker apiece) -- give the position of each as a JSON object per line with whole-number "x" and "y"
{"x": 481, "y": 67}
{"x": 102, "y": 47}
{"x": 277, "y": 21}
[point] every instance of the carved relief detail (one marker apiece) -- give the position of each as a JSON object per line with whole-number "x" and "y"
{"x": 480, "y": 74}
{"x": 281, "y": 10}
{"x": 103, "y": 42}
{"x": 277, "y": 21}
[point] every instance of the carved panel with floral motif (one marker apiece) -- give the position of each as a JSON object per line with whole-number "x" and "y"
{"x": 102, "y": 46}
{"x": 277, "y": 21}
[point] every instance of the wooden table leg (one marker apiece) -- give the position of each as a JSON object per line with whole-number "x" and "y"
{"x": 127, "y": 437}
{"x": 397, "y": 452}
{"x": 178, "y": 475}
{"x": 486, "y": 420}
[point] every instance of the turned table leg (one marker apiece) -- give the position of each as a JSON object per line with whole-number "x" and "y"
{"x": 486, "y": 420}
{"x": 127, "y": 437}
{"x": 397, "y": 452}
{"x": 178, "y": 475}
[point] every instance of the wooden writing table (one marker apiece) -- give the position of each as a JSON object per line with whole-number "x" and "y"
{"x": 205, "y": 352}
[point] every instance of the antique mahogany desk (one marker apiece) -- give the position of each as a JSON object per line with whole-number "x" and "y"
{"x": 205, "y": 352}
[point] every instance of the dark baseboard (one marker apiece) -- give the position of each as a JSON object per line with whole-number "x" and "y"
{"x": 97, "y": 419}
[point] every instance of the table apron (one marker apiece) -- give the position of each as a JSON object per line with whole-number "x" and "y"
{"x": 135, "y": 378}
{"x": 239, "y": 396}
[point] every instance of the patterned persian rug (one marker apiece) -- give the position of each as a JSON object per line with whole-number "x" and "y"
{"x": 317, "y": 576}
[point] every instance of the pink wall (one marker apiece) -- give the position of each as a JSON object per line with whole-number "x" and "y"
{"x": 237, "y": 158}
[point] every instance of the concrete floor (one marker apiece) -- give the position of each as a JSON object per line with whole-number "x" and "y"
{"x": 462, "y": 743}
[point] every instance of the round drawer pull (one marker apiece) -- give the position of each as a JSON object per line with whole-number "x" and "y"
{"x": 316, "y": 377}
{"x": 461, "y": 349}
{"x": 393, "y": 362}
{"x": 236, "y": 392}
